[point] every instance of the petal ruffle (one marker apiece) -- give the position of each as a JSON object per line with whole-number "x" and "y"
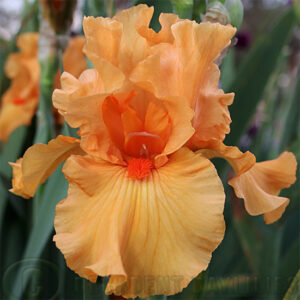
{"x": 80, "y": 103}
{"x": 186, "y": 68}
{"x": 152, "y": 236}
{"x": 239, "y": 161}
{"x": 39, "y": 162}
{"x": 257, "y": 183}
{"x": 260, "y": 186}
{"x": 115, "y": 46}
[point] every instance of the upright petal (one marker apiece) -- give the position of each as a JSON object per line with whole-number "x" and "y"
{"x": 165, "y": 35}
{"x": 260, "y": 186}
{"x": 115, "y": 46}
{"x": 133, "y": 47}
{"x": 103, "y": 37}
{"x": 151, "y": 236}
{"x": 186, "y": 68}
{"x": 39, "y": 162}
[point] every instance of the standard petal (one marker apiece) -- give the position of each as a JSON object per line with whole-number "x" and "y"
{"x": 39, "y": 162}
{"x": 102, "y": 46}
{"x": 133, "y": 47}
{"x": 165, "y": 35}
{"x": 115, "y": 46}
{"x": 260, "y": 186}
{"x": 186, "y": 68}
{"x": 151, "y": 236}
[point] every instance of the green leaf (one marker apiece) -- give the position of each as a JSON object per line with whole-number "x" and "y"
{"x": 199, "y": 8}
{"x": 236, "y": 12}
{"x": 293, "y": 292}
{"x": 3, "y": 201}
{"x": 183, "y": 8}
{"x": 11, "y": 151}
{"x": 227, "y": 70}
{"x": 252, "y": 77}
{"x": 249, "y": 240}
{"x": 160, "y": 6}
{"x": 55, "y": 190}
{"x": 269, "y": 264}
{"x": 93, "y": 291}
{"x": 296, "y": 7}
{"x": 292, "y": 119}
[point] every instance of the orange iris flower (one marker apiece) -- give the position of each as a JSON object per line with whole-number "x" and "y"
{"x": 145, "y": 203}
{"x": 20, "y": 101}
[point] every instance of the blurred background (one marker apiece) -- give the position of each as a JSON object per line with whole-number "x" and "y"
{"x": 254, "y": 261}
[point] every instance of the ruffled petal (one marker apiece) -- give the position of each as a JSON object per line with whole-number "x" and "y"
{"x": 115, "y": 46}
{"x": 151, "y": 236}
{"x": 180, "y": 115}
{"x": 103, "y": 37}
{"x": 257, "y": 183}
{"x": 165, "y": 35}
{"x": 239, "y": 161}
{"x": 39, "y": 162}
{"x": 185, "y": 68}
{"x": 133, "y": 47}
{"x": 260, "y": 186}
{"x": 80, "y": 102}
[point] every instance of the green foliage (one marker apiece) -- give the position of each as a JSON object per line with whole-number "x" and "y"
{"x": 251, "y": 79}
{"x": 294, "y": 291}
{"x": 236, "y": 12}
{"x": 183, "y": 8}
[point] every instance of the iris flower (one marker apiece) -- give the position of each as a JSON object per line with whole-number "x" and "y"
{"x": 20, "y": 101}
{"x": 145, "y": 203}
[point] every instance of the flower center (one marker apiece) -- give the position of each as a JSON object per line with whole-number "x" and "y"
{"x": 139, "y": 168}
{"x": 19, "y": 101}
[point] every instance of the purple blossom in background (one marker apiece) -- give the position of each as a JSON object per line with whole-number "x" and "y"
{"x": 244, "y": 39}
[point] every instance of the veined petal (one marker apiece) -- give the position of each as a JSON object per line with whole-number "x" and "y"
{"x": 151, "y": 236}
{"x": 260, "y": 186}
{"x": 39, "y": 162}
